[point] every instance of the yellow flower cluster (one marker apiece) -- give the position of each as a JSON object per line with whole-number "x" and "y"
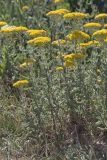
{"x": 59, "y": 68}
{"x": 69, "y": 63}
{"x": 75, "y": 15}
{"x": 13, "y": 29}
{"x": 99, "y": 81}
{"x": 87, "y": 44}
{"x": 92, "y": 25}
{"x": 39, "y": 40}
{"x": 2, "y": 23}
{"x": 57, "y": 12}
{"x": 20, "y": 83}
{"x": 69, "y": 59}
{"x": 77, "y": 35}
{"x": 25, "y": 8}
{"x": 105, "y": 40}
{"x": 73, "y": 56}
{"x": 57, "y": 1}
{"x": 27, "y": 63}
{"x": 59, "y": 42}
{"x": 98, "y": 71}
{"x": 105, "y": 25}
{"x": 100, "y": 16}
{"x": 100, "y": 34}
{"x": 34, "y": 32}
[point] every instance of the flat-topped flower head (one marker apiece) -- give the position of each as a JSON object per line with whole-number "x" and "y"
{"x": 73, "y": 56}
{"x": 20, "y": 28}
{"x": 101, "y": 16}
{"x": 89, "y": 43}
{"x": 75, "y": 15}
{"x": 100, "y": 34}
{"x": 69, "y": 63}
{"x": 57, "y": 12}
{"x": 58, "y": 42}
{"x": 69, "y": 59}
{"x": 2, "y": 23}
{"x": 92, "y": 25}
{"x": 98, "y": 71}
{"x": 23, "y": 65}
{"x": 105, "y": 40}
{"x": 20, "y": 83}
{"x": 39, "y": 41}
{"x": 36, "y": 32}
{"x": 99, "y": 81}
{"x": 59, "y": 68}
{"x": 77, "y": 36}
{"x": 57, "y": 1}
{"x": 25, "y": 8}
{"x": 7, "y": 29}
{"x": 105, "y": 25}
{"x": 27, "y": 63}
{"x": 13, "y": 29}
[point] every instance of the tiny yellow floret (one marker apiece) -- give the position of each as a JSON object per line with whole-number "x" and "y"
{"x": 20, "y": 83}
{"x": 59, "y": 42}
{"x": 25, "y": 8}
{"x": 99, "y": 81}
{"x": 68, "y": 63}
{"x": 27, "y": 63}
{"x": 59, "y": 68}
{"x": 98, "y": 71}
